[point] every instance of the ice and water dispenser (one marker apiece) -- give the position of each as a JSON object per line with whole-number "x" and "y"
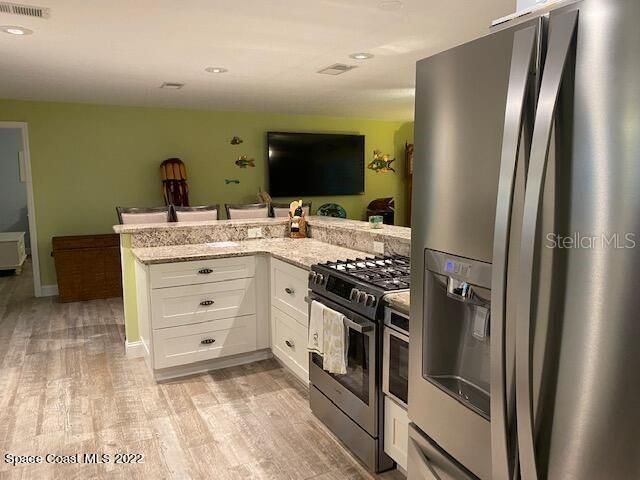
{"x": 456, "y": 343}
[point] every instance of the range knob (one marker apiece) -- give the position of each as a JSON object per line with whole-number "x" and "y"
{"x": 353, "y": 296}
{"x": 362, "y": 297}
{"x": 319, "y": 279}
{"x": 370, "y": 301}
{"x": 312, "y": 277}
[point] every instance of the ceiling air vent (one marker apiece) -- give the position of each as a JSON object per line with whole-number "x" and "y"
{"x": 172, "y": 85}
{"x": 24, "y": 10}
{"x": 336, "y": 69}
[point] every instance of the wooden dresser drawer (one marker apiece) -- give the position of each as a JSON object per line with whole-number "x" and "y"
{"x": 289, "y": 343}
{"x": 289, "y": 286}
{"x": 176, "y": 306}
{"x": 205, "y": 271}
{"x": 204, "y": 341}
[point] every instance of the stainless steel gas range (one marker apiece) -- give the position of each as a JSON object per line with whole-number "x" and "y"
{"x": 351, "y": 404}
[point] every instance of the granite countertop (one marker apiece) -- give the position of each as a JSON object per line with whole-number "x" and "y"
{"x": 328, "y": 222}
{"x": 146, "y": 227}
{"x": 302, "y": 252}
{"x": 400, "y": 301}
{"x": 360, "y": 226}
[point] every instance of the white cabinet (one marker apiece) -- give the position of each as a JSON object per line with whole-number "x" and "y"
{"x": 396, "y": 432}
{"x": 289, "y": 290}
{"x": 290, "y": 317}
{"x": 289, "y": 343}
{"x": 195, "y": 311}
{"x": 12, "y": 250}
{"x": 204, "y": 341}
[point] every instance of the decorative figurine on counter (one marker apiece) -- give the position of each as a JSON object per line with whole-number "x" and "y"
{"x": 236, "y": 140}
{"x": 297, "y": 222}
{"x": 381, "y": 163}
{"x": 244, "y": 162}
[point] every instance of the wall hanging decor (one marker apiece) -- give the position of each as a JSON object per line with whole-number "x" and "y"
{"x": 236, "y": 141}
{"x": 227, "y": 181}
{"x": 381, "y": 162}
{"x": 244, "y": 162}
{"x": 173, "y": 173}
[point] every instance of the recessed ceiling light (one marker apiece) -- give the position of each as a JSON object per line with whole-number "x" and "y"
{"x": 361, "y": 56}
{"x": 216, "y": 70}
{"x": 390, "y": 5}
{"x": 15, "y": 30}
{"x": 172, "y": 85}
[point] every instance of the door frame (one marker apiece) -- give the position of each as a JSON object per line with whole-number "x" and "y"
{"x": 31, "y": 207}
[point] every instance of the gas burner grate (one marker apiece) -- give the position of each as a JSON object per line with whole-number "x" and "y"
{"x": 389, "y": 273}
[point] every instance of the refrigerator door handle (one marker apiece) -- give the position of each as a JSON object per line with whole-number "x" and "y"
{"x": 519, "y": 78}
{"x": 426, "y": 470}
{"x": 562, "y": 30}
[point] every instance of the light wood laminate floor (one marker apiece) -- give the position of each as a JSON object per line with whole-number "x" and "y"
{"x": 66, "y": 387}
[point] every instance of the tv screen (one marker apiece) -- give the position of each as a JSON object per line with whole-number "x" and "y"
{"x": 305, "y": 164}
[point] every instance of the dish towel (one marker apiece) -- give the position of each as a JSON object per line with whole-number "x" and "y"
{"x": 315, "y": 342}
{"x": 335, "y": 341}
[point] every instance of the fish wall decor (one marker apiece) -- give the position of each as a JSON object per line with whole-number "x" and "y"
{"x": 236, "y": 140}
{"x": 227, "y": 181}
{"x": 381, "y": 162}
{"x": 244, "y": 162}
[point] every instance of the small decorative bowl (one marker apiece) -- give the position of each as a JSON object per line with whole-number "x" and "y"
{"x": 375, "y": 221}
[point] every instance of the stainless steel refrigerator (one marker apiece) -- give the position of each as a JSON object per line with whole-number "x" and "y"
{"x": 525, "y": 310}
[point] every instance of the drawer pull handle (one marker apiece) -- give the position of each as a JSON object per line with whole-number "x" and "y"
{"x": 206, "y": 303}
{"x": 208, "y": 341}
{"x": 290, "y": 343}
{"x": 290, "y": 291}
{"x": 205, "y": 271}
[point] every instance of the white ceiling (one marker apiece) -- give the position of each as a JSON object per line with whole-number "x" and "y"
{"x": 120, "y": 51}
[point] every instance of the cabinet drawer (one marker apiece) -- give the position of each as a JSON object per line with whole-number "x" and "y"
{"x": 205, "y": 271}
{"x": 289, "y": 343}
{"x": 396, "y": 432}
{"x": 203, "y": 341}
{"x": 176, "y": 306}
{"x": 289, "y": 287}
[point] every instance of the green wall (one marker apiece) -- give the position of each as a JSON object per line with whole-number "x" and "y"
{"x": 86, "y": 159}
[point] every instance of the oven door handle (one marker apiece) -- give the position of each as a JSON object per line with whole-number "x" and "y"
{"x": 359, "y": 327}
{"x": 363, "y": 327}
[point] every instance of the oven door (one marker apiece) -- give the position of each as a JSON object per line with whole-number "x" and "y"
{"x": 354, "y": 392}
{"x": 395, "y": 365}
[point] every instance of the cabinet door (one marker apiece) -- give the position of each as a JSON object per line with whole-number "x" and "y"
{"x": 289, "y": 286}
{"x": 201, "y": 271}
{"x": 199, "y": 303}
{"x": 289, "y": 343}
{"x": 396, "y": 432}
{"x": 204, "y": 341}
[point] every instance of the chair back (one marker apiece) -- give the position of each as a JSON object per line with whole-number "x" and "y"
{"x": 136, "y": 215}
{"x": 204, "y": 213}
{"x": 251, "y": 210}
{"x": 280, "y": 210}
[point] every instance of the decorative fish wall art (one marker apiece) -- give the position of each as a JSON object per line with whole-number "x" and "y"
{"x": 236, "y": 140}
{"x": 244, "y": 162}
{"x": 227, "y": 181}
{"x": 381, "y": 162}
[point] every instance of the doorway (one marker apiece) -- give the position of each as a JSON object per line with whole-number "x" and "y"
{"x": 17, "y": 209}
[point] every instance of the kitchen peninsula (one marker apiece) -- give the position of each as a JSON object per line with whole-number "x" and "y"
{"x": 248, "y": 282}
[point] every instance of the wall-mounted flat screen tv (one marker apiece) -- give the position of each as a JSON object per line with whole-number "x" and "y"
{"x": 315, "y": 164}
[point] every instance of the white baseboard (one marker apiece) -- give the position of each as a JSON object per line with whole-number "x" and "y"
{"x": 209, "y": 365}
{"x": 134, "y": 349}
{"x": 49, "y": 290}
